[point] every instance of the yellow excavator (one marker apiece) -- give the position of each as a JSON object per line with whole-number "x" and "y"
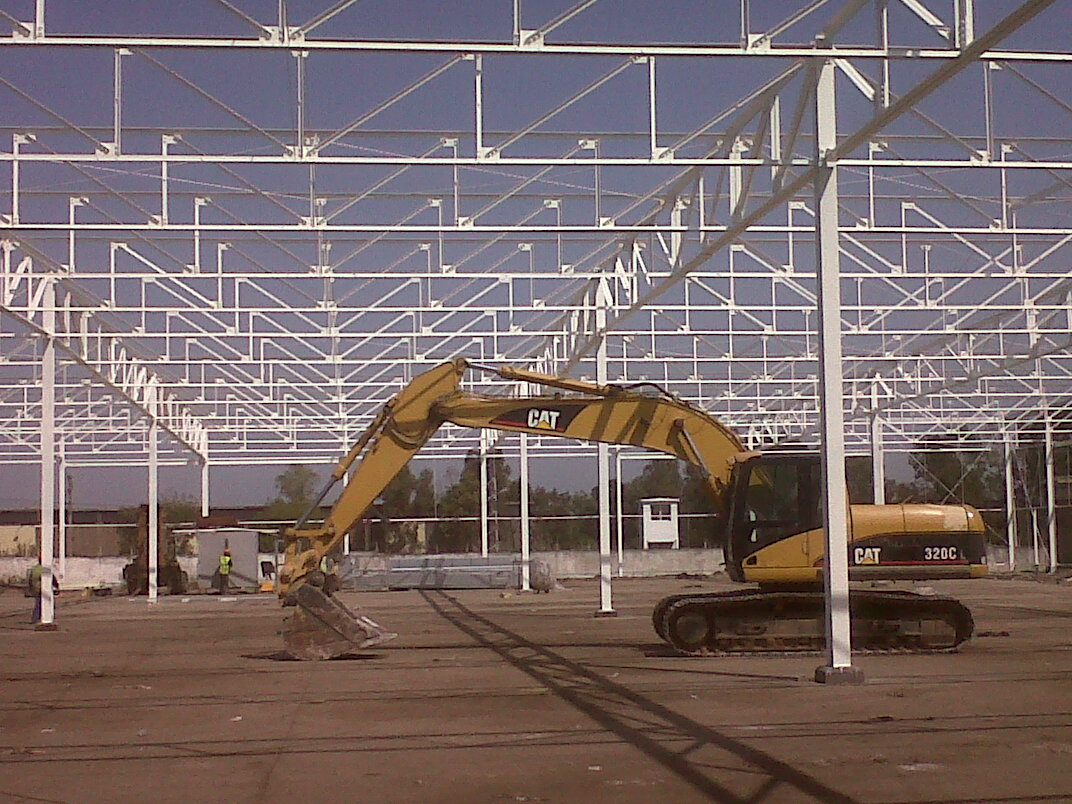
{"x": 768, "y": 505}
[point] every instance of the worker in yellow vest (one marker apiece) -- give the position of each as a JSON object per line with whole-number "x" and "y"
{"x": 226, "y": 562}
{"x": 331, "y": 575}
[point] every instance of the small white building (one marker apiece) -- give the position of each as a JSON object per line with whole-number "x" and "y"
{"x": 659, "y": 523}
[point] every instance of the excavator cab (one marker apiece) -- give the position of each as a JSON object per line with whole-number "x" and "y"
{"x": 774, "y": 538}
{"x": 774, "y": 530}
{"x": 773, "y": 497}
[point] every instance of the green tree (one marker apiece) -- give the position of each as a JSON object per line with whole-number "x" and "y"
{"x": 955, "y": 469}
{"x": 562, "y": 520}
{"x": 182, "y": 508}
{"x": 170, "y": 511}
{"x": 459, "y": 531}
{"x": 858, "y": 477}
{"x": 296, "y": 487}
{"x": 177, "y": 508}
{"x": 409, "y": 495}
{"x": 405, "y": 497}
{"x": 899, "y": 492}
{"x": 131, "y": 540}
{"x": 958, "y": 469}
{"x": 703, "y": 526}
{"x": 297, "y": 484}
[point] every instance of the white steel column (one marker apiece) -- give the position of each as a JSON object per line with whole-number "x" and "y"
{"x": 878, "y": 462}
{"x": 478, "y": 104}
{"x": 882, "y": 12}
{"x": 618, "y": 510}
{"x": 73, "y": 203}
{"x": 48, "y": 454}
{"x": 61, "y": 562}
{"x": 117, "y": 100}
{"x": 525, "y": 534}
{"x": 17, "y": 140}
{"x": 300, "y": 57}
{"x": 652, "y": 133}
{"x": 839, "y": 669}
{"x": 1035, "y": 537}
{"x": 964, "y": 23}
{"x": 165, "y": 188}
{"x": 204, "y": 489}
{"x": 483, "y": 494}
{"x": 199, "y": 202}
{"x": 153, "y": 518}
{"x": 346, "y": 539}
{"x": 1010, "y": 499}
{"x": 1051, "y": 496}
{"x": 606, "y": 608}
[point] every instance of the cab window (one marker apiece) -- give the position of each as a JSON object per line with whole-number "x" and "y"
{"x": 782, "y": 500}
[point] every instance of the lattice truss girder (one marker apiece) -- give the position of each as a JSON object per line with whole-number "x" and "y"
{"x": 272, "y": 228}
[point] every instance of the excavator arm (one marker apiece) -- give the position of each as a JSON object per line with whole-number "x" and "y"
{"x": 401, "y": 429}
{"x": 641, "y": 416}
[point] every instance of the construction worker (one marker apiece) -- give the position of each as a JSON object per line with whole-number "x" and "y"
{"x": 226, "y": 562}
{"x": 331, "y": 576}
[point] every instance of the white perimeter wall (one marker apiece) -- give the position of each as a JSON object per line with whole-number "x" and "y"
{"x": 108, "y": 571}
{"x": 81, "y": 572}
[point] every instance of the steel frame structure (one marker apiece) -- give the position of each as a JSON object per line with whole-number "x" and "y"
{"x": 253, "y": 237}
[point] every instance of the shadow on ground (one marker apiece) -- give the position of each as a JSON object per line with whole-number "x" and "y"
{"x": 283, "y": 656}
{"x": 720, "y": 767}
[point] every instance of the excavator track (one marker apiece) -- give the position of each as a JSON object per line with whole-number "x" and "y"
{"x": 758, "y": 621}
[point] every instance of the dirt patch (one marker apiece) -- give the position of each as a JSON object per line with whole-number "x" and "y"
{"x": 528, "y": 698}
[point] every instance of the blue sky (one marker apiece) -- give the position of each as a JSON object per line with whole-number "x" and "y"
{"x": 260, "y": 86}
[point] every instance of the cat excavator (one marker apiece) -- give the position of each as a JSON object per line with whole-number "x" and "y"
{"x": 768, "y": 505}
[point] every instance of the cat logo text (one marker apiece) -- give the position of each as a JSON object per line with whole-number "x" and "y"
{"x": 544, "y": 419}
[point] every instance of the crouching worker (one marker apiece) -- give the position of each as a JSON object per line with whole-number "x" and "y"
{"x": 36, "y": 574}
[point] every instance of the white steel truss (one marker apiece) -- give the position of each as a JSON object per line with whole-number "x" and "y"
{"x": 259, "y": 230}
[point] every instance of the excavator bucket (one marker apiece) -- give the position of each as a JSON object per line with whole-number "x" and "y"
{"x": 322, "y": 627}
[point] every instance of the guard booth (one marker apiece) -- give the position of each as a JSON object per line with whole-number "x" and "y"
{"x": 659, "y": 523}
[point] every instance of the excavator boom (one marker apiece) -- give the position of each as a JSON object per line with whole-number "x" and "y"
{"x": 321, "y": 627}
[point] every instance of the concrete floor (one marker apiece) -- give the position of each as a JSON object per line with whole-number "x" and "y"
{"x": 522, "y": 698}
